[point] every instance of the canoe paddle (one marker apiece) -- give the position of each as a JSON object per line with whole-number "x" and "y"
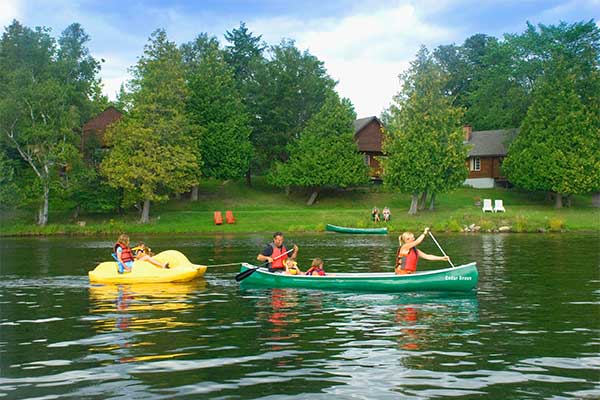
{"x": 243, "y": 275}
{"x": 440, "y": 247}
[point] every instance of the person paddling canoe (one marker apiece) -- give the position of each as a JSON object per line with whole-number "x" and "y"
{"x": 408, "y": 255}
{"x": 275, "y": 255}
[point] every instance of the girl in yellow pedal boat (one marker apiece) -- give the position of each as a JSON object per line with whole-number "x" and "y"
{"x": 143, "y": 253}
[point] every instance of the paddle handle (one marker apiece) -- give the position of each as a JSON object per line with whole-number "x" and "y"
{"x": 243, "y": 275}
{"x": 440, "y": 247}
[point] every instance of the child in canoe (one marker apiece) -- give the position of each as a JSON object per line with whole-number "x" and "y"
{"x": 316, "y": 268}
{"x": 291, "y": 267}
{"x": 143, "y": 253}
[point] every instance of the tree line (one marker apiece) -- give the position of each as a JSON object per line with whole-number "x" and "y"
{"x": 206, "y": 109}
{"x": 545, "y": 81}
{"x": 195, "y": 111}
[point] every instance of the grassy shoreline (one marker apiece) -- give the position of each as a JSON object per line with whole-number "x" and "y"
{"x": 264, "y": 209}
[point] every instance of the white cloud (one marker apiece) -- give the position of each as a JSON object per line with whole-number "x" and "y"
{"x": 9, "y": 10}
{"x": 365, "y": 51}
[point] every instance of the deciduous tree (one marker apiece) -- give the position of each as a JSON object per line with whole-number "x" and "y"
{"x": 44, "y": 88}
{"x": 153, "y": 150}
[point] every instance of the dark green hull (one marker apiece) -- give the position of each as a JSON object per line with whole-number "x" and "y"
{"x": 343, "y": 229}
{"x": 460, "y": 279}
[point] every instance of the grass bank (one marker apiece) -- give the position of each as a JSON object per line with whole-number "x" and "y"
{"x": 262, "y": 208}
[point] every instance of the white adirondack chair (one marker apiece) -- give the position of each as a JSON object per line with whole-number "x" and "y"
{"x": 498, "y": 206}
{"x": 487, "y": 205}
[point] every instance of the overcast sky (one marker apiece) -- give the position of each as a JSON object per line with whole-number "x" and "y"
{"x": 365, "y": 44}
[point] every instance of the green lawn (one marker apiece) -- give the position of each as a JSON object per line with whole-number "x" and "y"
{"x": 264, "y": 209}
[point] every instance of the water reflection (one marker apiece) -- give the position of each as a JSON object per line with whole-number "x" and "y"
{"x": 133, "y": 312}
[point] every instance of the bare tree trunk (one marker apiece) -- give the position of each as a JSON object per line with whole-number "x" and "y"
{"x": 194, "y": 196}
{"x": 76, "y": 211}
{"x": 569, "y": 200}
{"x": 249, "y": 177}
{"x": 288, "y": 190}
{"x": 596, "y": 199}
{"x": 43, "y": 211}
{"x": 312, "y": 198}
{"x": 145, "y": 212}
{"x": 431, "y": 205}
{"x": 422, "y": 200}
{"x": 413, "y": 204}
{"x": 558, "y": 202}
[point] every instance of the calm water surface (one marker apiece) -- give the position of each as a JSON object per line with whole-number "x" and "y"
{"x": 531, "y": 330}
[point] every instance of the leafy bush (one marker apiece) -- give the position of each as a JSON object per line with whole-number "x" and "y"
{"x": 486, "y": 224}
{"x": 452, "y": 225}
{"x": 522, "y": 224}
{"x": 556, "y": 224}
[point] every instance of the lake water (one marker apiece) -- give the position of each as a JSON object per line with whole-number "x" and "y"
{"x": 530, "y": 331}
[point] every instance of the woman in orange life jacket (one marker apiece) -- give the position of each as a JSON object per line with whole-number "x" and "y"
{"x": 123, "y": 253}
{"x": 408, "y": 255}
{"x": 142, "y": 253}
{"x": 316, "y": 268}
{"x": 275, "y": 255}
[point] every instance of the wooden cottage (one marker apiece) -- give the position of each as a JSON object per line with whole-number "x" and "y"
{"x": 369, "y": 138}
{"x": 487, "y": 150}
{"x": 93, "y": 130}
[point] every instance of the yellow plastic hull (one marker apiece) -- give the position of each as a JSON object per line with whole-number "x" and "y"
{"x": 180, "y": 270}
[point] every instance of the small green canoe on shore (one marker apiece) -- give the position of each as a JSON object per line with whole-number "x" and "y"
{"x": 343, "y": 229}
{"x": 460, "y": 279}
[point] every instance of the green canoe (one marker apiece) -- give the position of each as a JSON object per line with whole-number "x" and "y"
{"x": 460, "y": 279}
{"x": 343, "y": 229}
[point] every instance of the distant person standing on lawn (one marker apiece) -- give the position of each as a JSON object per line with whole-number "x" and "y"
{"x": 387, "y": 214}
{"x": 375, "y": 214}
{"x": 275, "y": 253}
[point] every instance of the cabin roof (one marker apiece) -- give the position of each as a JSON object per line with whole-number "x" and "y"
{"x": 491, "y": 143}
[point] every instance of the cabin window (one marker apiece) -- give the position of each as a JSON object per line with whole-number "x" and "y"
{"x": 475, "y": 164}
{"x": 367, "y": 159}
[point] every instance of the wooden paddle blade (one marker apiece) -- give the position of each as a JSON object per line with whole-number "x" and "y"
{"x": 243, "y": 275}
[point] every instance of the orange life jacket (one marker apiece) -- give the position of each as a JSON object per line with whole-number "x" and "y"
{"x": 409, "y": 262}
{"x": 278, "y": 263}
{"x": 126, "y": 254}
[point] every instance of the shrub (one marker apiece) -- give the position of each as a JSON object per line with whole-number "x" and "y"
{"x": 452, "y": 225}
{"x": 556, "y": 224}
{"x": 486, "y": 224}
{"x": 521, "y": 224}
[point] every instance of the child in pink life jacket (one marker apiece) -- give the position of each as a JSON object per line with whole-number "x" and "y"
{"x": 316, "y": 268}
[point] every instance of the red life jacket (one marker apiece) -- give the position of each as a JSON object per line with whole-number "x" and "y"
{"x": 315, "y": 270}
{"x": 126, "y": 254}
{"x": 408, "y": 262}
{"x": 279, "y": 262}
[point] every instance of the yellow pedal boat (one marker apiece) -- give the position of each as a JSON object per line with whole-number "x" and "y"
{"x": 180, "y": 270}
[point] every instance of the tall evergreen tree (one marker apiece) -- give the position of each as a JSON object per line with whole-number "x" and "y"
{"x": 154, "y": 150}
{"x": 291, "y": 87}
{"x": 558, "y": 147}
{"x": 423, "y": 139}
{"x": 216, "y": 105}
{"x": 325, "y": 154}
{"x": 244, "y": 53}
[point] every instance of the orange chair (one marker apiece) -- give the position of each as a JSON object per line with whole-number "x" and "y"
{"x": 218, "y": 218}
{"x": 229, "y": 217}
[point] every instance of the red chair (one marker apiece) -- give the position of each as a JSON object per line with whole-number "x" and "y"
{"x": 229, "y": 217}
{"x": 218, "y": 218}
